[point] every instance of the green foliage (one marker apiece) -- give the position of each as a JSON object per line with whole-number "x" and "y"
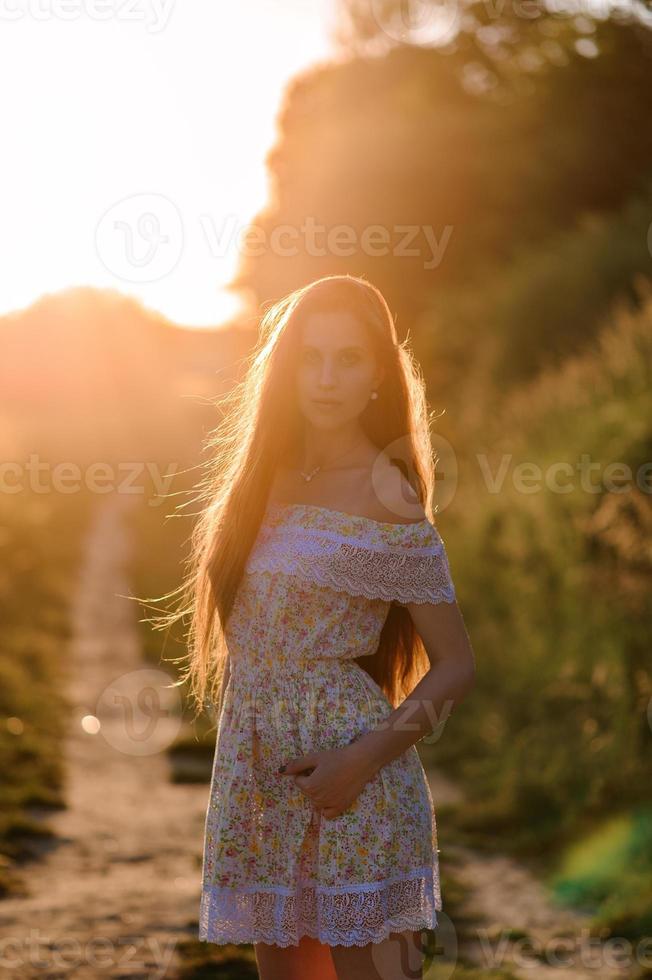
{"x": 612, "y": 868}
{"x": 40, "y": 538}
{"x": 555, "y": 590}
{"x": 549, "y": 302}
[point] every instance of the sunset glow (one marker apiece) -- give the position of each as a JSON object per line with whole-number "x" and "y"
{"x": 137, "y": 129}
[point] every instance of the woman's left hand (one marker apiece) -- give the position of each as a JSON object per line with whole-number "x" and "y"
{"x": 338, "y": 777}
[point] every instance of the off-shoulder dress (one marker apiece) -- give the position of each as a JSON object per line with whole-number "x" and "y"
{"x": 316, "y": 592}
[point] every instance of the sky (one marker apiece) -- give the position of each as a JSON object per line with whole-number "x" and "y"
{"x": 134, "y": 141}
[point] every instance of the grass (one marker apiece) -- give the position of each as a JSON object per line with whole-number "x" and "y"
{"x": 40, "y": 545}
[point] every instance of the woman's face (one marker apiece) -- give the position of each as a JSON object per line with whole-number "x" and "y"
{"x": 337, "y": 369}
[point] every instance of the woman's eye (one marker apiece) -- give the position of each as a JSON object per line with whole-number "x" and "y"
{"x": 350, "y": 357}
{"x": 347, "y": 358}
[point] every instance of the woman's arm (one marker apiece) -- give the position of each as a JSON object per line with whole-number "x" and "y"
{"x": 450, "y": 678}
{"x": 338, "y": 776}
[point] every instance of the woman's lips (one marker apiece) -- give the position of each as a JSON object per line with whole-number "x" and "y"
{"x": 325, "y": 403}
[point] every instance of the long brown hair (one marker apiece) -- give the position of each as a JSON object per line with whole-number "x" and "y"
{"x": 260, "y": 427}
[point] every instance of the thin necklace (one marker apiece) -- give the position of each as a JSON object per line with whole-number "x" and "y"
{"x": 308, "y": 476}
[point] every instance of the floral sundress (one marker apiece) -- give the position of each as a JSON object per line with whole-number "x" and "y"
{"x": 316, "y": 592}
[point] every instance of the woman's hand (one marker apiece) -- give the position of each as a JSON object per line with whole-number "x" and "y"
{"x": 335, "y": 777}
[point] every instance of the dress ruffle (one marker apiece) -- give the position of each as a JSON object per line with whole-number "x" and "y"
{"x": 395, "y": 562}
{"x": 348, "y": 916}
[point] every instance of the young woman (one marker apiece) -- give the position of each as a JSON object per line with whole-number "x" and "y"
{"x": 320, "y": 596}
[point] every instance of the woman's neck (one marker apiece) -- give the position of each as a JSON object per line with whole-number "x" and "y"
{"x": 343, "y": 447}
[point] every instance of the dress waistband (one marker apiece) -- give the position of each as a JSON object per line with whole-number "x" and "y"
{"x": 290, "y": 669}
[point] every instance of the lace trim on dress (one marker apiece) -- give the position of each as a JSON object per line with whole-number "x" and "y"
{"x": 344, "y": 916}
{"x": 414, "y": 569}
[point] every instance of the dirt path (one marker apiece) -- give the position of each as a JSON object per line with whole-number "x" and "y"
{"x": 121, "y": 886}
{"x": 505, "y": 898}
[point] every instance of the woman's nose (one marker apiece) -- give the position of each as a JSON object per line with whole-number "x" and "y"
{"x": 327, "y": 375}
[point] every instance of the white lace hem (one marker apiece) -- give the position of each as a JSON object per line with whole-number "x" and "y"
{"x": 336, "y": 916}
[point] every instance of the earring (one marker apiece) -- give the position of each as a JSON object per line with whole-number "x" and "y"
{"x": 374, "y": 394}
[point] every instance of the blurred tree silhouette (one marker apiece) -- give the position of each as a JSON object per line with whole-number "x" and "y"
{"x": 462, "y": 180}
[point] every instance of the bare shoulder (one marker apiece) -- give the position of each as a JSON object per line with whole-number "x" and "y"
{"x": 395, "y": 499}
